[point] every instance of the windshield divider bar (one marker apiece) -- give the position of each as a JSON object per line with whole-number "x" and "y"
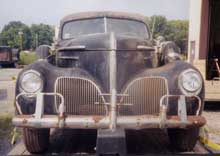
{"x": 105, "y": 23}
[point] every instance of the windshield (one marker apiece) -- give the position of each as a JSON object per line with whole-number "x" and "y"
{"x": 100, "y": 25}
{"x": 127, "y": 27}
{"x": 82, "y": 27}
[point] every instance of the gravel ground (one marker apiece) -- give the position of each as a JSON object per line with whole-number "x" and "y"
{"x": 212, "y": 115}
{"x": 7, "y": 90}
{"x": 7, "y": 93}
{"x": 8, "y": 73}
{"x": 213, "y": 122}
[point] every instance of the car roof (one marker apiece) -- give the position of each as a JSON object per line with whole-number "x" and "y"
{"x": 94, "y": 14}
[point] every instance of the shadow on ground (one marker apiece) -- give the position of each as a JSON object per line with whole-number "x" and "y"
{"x": 82, "y": 141}
{"x": 212, "y": 106}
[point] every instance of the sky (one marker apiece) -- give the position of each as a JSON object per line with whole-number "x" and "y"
{"x": 51, "y": 11}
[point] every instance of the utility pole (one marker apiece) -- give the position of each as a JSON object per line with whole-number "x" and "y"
{"x": 153, "y": 27}
{"x": 20, "y": 33}
{"x": 36, "y": 41}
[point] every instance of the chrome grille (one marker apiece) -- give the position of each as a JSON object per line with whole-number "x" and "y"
{"x": 143, "y": 96}
{"x": 80, "y": 96}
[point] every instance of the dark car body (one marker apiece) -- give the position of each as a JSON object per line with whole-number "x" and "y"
{"x": 108, "y": 80}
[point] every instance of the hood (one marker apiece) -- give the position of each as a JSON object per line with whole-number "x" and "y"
{"x": 92, "y": 54}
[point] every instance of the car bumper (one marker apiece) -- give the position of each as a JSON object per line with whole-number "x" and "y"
{"x": 97, "y": 122}
{"x": 61, "y": 120}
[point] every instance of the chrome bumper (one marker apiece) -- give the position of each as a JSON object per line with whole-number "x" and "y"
{"x": 97, "y": 122}
{"x": 39, "y": 120}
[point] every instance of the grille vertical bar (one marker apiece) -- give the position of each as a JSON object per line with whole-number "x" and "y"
{"x": 80, "y": 96}
{"x": 144, "y": 95}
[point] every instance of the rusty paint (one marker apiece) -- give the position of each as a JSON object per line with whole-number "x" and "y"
{"x": 136, "y": 122}
{"x": 4, "y": 56}
{"x": 195, "y": 120}
{"x": 25, "y": 121}
{"x": 97, "y": 118}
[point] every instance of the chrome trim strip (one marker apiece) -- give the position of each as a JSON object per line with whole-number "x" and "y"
{"x": 36, "y": 94}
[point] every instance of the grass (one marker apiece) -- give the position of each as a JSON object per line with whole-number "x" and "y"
{"x": 27, "y": 58}
{"x": 5, "y": 121}
{"x": 6, "y": 133}
{"x": 6, "y": 127}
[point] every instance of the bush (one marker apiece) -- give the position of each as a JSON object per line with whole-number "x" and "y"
{"x": 27, "y": 57}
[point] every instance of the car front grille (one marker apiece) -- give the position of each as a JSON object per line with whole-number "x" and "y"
{"x": 144, "y": 96}
{"x": 83, "y": 96}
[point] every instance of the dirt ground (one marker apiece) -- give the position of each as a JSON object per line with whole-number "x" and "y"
{"x": 213, "y": 122}
{"x": 7, "y": 90}
{"x": 212, "y": 115}
{"x": 7, "y": 87}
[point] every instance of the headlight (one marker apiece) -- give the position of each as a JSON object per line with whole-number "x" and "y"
{"x": 31, "y": 82}
{"x": 190, "y": 82}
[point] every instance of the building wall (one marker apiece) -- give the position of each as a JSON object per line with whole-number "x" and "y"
{"x": 204, "y": 33}
{"x": 198, "y": 30}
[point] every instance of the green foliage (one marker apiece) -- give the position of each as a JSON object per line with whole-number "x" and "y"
{"x": 174, "y": 30}
{"x": 16, "y": 33}
{"x": 41, "y": 34}
{"x": 1, "y": 39}
{"x": 177, "y": 30}
{"x": 157, "y": 25}
{"x": 27, "y": 58}
{"x": 10, "y": 35}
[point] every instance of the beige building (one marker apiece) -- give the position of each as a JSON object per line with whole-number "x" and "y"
{"x": 204, "y": 42}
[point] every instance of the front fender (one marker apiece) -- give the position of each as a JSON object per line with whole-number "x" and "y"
{"x": 171, "y": 72}
{"x": 50, "y": 74}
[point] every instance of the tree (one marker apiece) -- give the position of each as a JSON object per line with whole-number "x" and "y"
{"x": 16, "y": 35}
{"x": 157, "y": 25}
{"x": 177, "y": 30}
{"x": 173, "y": 30}
{"x": 1, "y": 39}
{"x": 41, "y": 34}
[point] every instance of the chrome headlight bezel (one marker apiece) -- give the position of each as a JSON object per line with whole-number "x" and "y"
{"x": 186, "y": 89}
{"x": 37, "y": 75}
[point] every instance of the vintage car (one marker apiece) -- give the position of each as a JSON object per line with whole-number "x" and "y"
{"x": 8, "y": 56}
{"x": 106, "y": 73}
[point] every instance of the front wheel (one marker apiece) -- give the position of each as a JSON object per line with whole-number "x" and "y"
{"x": 183, "y": 139}
{"x": 36, "y": 140}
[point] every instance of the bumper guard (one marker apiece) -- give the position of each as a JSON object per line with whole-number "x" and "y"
{"x": 39, "y": 120}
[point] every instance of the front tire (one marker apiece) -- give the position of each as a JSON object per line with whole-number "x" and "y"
{"x": 183, "y": 139}
{"x": 36, "y": 140}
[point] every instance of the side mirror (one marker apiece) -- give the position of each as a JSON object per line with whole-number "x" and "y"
{"x": 159, "y": 40}
{"x": 170, "y": 52}
{"x": 43, "y": 52}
